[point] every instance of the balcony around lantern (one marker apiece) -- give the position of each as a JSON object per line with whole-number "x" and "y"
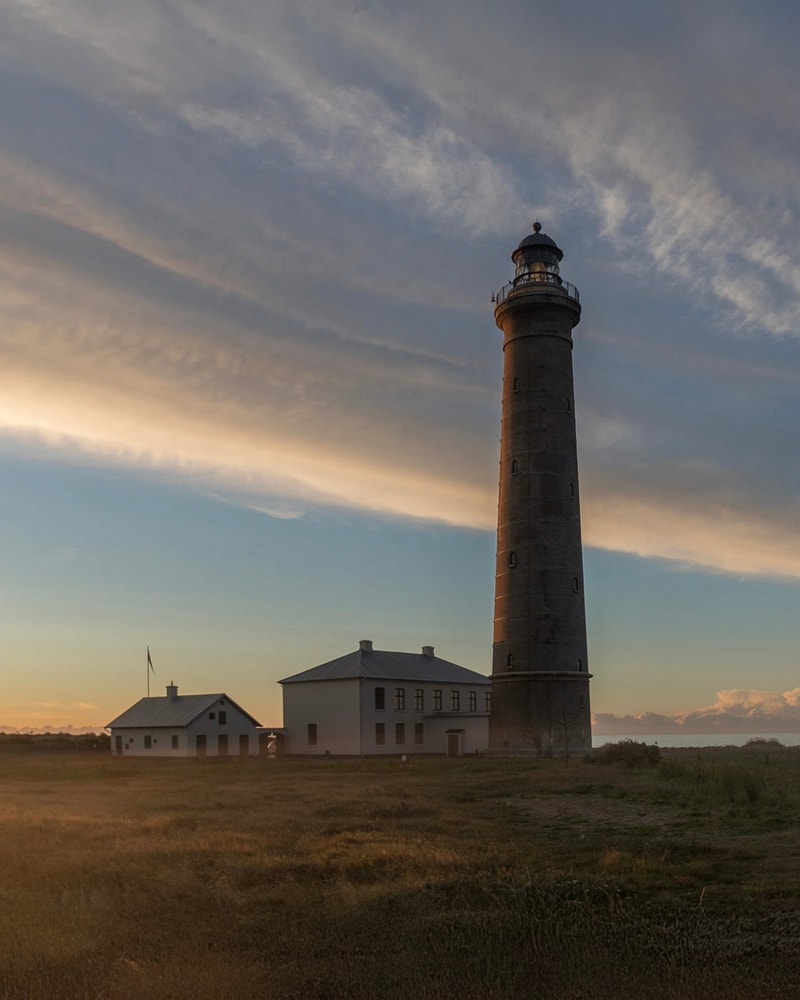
{"x": 538, "y": 278}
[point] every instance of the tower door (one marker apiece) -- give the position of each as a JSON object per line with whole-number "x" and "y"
{"x": 454, "y": 744}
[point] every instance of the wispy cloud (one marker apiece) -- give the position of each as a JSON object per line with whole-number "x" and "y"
{"x": 252, "y": 254}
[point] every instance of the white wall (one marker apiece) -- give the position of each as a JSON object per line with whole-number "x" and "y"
{"x": 333, "y": 706}
{"x": 475, "y": 724}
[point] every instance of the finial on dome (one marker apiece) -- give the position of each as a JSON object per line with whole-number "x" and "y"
{"x": 537, "y": 227}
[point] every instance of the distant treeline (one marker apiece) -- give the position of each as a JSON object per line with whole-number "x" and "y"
{"x": 22, "y": 742}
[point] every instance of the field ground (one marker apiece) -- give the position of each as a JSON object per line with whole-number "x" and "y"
{"x": 454, "y": 878}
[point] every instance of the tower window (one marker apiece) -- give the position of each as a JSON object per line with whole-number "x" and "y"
{"x": 514, "y": 467}
{"x": 510, "y": 661}
{"x": 572, "y": 490}
{"x": 569, "y": 404}
{"x": 516, "y": 385}
{"x": 576, "y": 585}
{"x": 512, "y": 559}
{"x": 580, "y": 664}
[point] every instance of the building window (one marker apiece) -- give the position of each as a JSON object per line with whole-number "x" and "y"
{"x": 380, "y": 734}
{"x": 512, "y": 559}
{"x": 399, "y": 699}
{"x": 419, "y": 699}
{"x": 516, "y": 385}
{"x": 455, "y": 701}
{"x": 437, "y": 701}
{"x": 514, "y": 467}
{"x": 148, "y": 742}
{"x": 175, "y": 741}
{"x": 400, "y": 733}
{"x": 212, "y": 715}
{"x": 312, "y": 734}
{"x": 487, "y": 701}
{"x": 419, "y": 733}
{"x": 380, "y": 699}
{"x": 473, "y": 701}
{"x": 222, "y": 718}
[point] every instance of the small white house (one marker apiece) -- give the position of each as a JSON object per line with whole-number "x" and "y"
{"x": 184, "y": 725}
{"x": 376, "y": 702}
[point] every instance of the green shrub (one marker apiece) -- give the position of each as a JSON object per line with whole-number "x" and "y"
{"x": 627, "y": 752}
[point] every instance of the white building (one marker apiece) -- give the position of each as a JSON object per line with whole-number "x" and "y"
{"x": 372, "y": 702}
{"x": 185, "y": 725}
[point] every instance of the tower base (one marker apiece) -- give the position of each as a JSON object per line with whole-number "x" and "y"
{"x": 540, "y": 714}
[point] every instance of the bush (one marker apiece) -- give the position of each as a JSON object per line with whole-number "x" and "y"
{"x": 627, "y": 752}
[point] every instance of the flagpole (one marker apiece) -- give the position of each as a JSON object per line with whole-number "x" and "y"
{"x": 147, "y": 670}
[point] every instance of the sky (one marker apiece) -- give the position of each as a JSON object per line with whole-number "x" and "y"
{"x": 250, "y": 376}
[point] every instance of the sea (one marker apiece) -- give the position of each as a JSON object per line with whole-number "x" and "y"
{"x": 697, "y": 739}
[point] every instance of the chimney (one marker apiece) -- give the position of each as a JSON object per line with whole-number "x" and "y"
{"x": 365, "y": 645}
{"x": 427, "y": 650}
{"x": 172, "y": 690}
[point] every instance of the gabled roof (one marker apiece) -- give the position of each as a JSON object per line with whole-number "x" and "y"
{"x": 381, "y": 664}
{"x": 181, "y": 710}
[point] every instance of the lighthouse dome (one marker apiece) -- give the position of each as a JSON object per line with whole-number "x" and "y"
{"x": 538, "y": 239}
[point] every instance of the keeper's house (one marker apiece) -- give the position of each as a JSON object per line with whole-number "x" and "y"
{"x": 184, "y": 725}
{"x": 375, "y": 702}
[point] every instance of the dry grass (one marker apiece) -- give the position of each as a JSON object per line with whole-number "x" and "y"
{"x": 372, "y": 879}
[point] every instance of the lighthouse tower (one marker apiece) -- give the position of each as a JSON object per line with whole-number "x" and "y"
{"x": 540, "y": 678}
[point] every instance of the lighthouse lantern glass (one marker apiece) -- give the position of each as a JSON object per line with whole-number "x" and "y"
{"x": 537, "y": 264}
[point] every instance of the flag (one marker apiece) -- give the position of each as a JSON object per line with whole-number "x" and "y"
{"x": 149, "y": 661}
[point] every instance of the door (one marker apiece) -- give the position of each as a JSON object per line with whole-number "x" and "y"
{"x": 200, "y": 744}
{"x": 454, "y": 744}
{"x": 244, "y": 746}
{"x": 118, "y": 744}
{"x": 222, "y": 745}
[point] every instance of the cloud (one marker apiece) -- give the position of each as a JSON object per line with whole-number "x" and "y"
{"x": 735, "y": 711}
{"x": 248, "y": 249}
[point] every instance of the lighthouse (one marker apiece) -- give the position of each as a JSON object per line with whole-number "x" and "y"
{"x": 540, "y": 678}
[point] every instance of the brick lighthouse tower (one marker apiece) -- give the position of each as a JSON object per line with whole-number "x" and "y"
{"x": 540, "y": 678}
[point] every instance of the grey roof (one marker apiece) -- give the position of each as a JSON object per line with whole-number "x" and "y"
{"x": 380, "y": 664}
{"x": 538, "y": 240}
{"x": 152, "y": 713}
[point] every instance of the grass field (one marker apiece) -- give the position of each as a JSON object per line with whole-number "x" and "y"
{"x": 452, "y": 878}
